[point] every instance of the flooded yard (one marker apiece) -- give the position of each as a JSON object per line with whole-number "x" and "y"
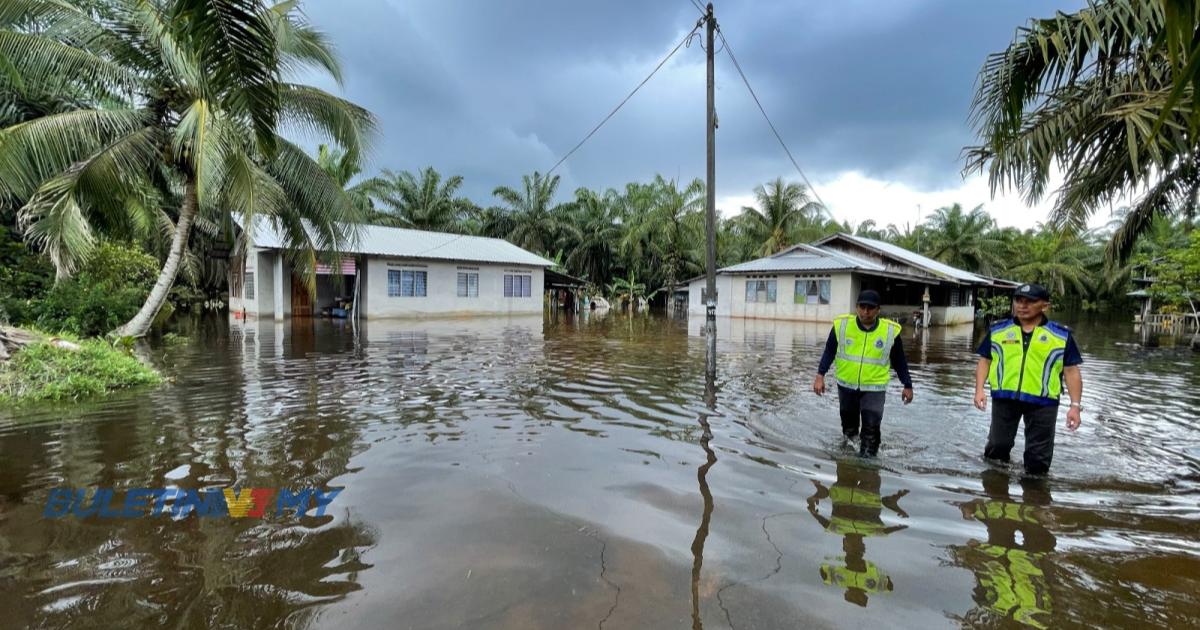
{"x": 584, "y": 473}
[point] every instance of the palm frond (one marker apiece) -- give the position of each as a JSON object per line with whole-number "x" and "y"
{"x": 54, "y": 222}
{"x": 301, "y": 46}
{"x": 240, "y": 55}
{"x": 52, "y": 65}
{"x": 314, "y": 111}
{"x": 35, "y": 151}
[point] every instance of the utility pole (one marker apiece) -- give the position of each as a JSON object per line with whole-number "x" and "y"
{"x": 710, "y": 214}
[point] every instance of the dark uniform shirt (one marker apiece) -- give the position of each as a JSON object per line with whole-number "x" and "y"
{"x": 1071, "y": 355}
{"x": 897, "y": 358}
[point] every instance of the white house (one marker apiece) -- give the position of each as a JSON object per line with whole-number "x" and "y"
{"x": 819, "y": 281}
{"x": 389, "y": 272}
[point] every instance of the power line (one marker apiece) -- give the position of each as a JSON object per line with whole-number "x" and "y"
{"x": 683, "y": 41}
{"x": 699, "y": 8}
{"x": 729, "y": 50}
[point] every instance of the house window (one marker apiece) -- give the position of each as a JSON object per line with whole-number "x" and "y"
{"x": 955, "y": 299}
{"x": 813, "y": 291}
{"x": 248, "y": 285}
{"x": 468, "y": 285}
{"x": 517, "y": 285}
{"x": 760, "y": 291}
{"x": 406, "y": 283}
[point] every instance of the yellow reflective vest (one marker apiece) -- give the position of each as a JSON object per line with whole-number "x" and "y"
{"x": 1032, "y": 374}
{"x": 863, "y": 357}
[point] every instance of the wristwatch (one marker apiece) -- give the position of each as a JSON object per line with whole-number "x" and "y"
{"x": 1075, "y": 404}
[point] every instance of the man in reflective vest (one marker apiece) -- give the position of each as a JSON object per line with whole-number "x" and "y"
{"x": 1025, "y": 361}
{"x": 864, "y": 348}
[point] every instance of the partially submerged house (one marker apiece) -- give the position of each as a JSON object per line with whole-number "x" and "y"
{"x": 818, "y": 281}
{"x": 389, "y": 272}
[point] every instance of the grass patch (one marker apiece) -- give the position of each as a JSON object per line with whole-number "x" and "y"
{"x": 42, "y": 371}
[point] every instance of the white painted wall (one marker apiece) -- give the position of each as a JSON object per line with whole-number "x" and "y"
{"x": 938, "y": 315}
{"x": 442, "y": 290}
{"x": 731, "y": 302}
{"x": 255, "y": 267}
{"x": 844, "y": 289}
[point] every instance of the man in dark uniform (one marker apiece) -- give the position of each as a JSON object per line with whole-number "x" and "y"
{"x": 865, "y": 348}
{"x": 1026, "y": 360}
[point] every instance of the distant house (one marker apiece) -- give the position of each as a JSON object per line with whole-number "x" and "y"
{"x": 819, "y": 281}
{"x": 394, "y": 273}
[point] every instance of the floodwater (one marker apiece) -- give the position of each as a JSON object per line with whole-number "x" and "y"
{"x": 584, "y": 473}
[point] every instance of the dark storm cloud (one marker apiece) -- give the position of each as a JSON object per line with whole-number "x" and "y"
{"x": 494, "y": 90}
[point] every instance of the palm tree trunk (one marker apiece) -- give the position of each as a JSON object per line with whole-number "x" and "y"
{"x": 140, "y": 324}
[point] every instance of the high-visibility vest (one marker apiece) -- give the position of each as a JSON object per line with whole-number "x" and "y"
{"x": 1032, "y": 374}
{"x": 863, "y": 361}
{"x": 871, "y": 579}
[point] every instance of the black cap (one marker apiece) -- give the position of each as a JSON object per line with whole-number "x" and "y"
{"x": 1033, "y": 292}
{"x": 868, "y": 298}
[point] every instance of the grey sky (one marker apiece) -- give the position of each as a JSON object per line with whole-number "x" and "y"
{"x": 493, "y": 90}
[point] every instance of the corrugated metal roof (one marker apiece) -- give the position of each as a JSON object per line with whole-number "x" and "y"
{"x": 911, "y": 258}
{"x": 803, "y": 258}
{"x": 377, "y": 240}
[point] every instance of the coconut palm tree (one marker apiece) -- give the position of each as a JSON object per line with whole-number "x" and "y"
{"x": 963, "y": 239}
{"x": 1094, "y": 94}
{"x": 785, "y": 215}
{"x": 177, "y": 98}
{"x": 424, "y": 201}
{"x": 536, "y": 221}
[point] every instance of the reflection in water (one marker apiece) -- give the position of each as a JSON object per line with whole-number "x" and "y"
{"x": 522, "y": 473}
{"x": 710, "y": 458}
{"x": 856, "y": 515}
{"x": 1010, "y": 567}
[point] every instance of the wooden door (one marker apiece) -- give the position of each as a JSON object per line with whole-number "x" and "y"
{"x": 301, "y": 300}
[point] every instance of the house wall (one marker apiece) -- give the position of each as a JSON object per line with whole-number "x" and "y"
{"x": 731, "y": 302}
{"x": 260, "y": 265}
{"x": 845, "y": 286}
{"x": 442, "y": 289}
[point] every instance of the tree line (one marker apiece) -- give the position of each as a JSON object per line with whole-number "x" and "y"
{"x": 652, "y": 233}
{"x": 155, "y": 124}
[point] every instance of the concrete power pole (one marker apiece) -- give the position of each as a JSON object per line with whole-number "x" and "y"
{"x": 710, "y": 214}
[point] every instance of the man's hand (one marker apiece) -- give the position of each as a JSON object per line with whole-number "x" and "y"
{"x": 906, "y": 395}
{"x": 1073, "y": 418}
{"x": 980, "y": 399}
{"x": 819, "y": 385}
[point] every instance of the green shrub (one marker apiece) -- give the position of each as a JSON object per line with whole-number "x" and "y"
{"x": 42, "y": 371}
{"x": 106, "y": 293}
{"x": 23, "y": 273}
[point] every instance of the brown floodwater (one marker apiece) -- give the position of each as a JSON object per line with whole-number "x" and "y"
{"x": 584, "y": 473}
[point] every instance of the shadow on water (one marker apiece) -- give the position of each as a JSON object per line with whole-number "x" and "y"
{"x": 521, "y": 473}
